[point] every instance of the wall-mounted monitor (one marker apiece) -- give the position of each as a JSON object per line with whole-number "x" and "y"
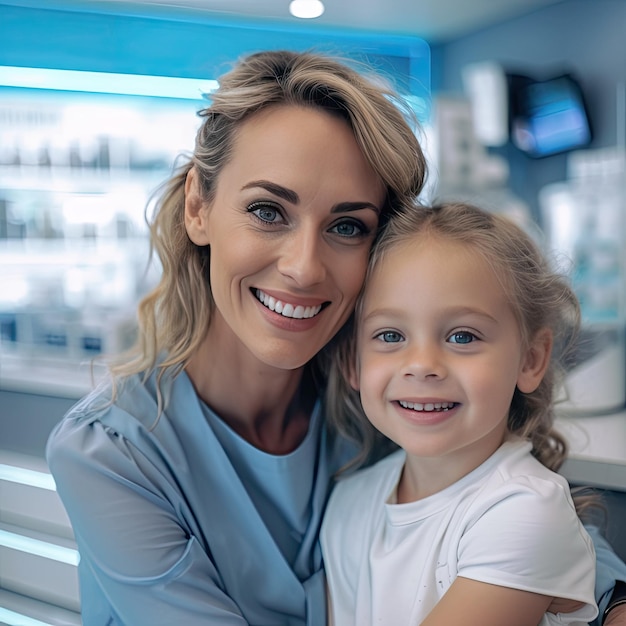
{"x": 548, "y": 116}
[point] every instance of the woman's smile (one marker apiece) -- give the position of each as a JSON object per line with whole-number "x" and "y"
{"x": 288, "y": 256}
{"x": 286, "y": 308}
{"x": 289, "y": 316}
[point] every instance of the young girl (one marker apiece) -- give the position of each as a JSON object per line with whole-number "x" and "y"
{"x": 468, "y": 523}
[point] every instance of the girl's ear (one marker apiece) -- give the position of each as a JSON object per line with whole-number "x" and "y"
{"x": 535, "y": 362}
{"x": 196, "y": 211}
{"x": 352, "y": 376}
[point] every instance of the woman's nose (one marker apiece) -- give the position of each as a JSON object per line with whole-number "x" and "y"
{"x": 301, "y": 259}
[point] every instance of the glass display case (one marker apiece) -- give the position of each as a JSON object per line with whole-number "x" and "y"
{"x": 77, "y": 172}
{"x": 583, "y": 218}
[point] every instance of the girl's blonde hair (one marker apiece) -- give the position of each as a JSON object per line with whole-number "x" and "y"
{"x": 175, "y": 316}
{"x": 539, "y": 298}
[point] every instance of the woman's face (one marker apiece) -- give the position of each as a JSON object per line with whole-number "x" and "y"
{"x": 294, "y": 215}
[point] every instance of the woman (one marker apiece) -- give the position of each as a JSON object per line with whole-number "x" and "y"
{"x": 196, "y": 481}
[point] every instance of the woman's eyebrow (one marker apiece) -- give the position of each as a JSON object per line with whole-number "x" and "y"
{"x": 278, "y": 190}
{"x": 346, "y": 207}
{"x": 291, "y": 196}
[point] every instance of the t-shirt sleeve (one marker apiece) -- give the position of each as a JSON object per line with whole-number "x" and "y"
{"x": 145, "y": 562}
{"x": 527, "y": 536}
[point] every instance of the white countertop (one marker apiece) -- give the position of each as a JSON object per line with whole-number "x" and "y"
{"x": 48, "y": 376}
{"x": 597, "y": 443}
{"x": 597, "y": 454}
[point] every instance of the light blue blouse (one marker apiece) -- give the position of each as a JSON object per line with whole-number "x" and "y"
{"x": 180, "y": 521}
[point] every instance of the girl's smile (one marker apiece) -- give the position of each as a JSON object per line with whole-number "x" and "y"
{"x": 438, "y": 365}
{"x": 427, "y": 412}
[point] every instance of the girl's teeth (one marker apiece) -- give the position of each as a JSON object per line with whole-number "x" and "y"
{"x": 428, "y": 406}
{"x": 286, "y": 309}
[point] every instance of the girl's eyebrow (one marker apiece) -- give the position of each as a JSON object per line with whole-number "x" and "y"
{"x": 292, "y": 197}
{"x": 452, "y": 311}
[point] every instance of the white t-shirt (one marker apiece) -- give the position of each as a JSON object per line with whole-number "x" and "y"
{"x": 510, "y": 522}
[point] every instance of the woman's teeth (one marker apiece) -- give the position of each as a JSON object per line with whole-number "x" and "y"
{"x": 428, "y": 406}
{"x": 286, "y": 309}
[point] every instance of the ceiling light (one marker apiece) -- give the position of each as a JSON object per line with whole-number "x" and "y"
{"x": 306, "y": 9}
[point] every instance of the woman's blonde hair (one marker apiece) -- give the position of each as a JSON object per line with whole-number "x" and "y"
{"x": 540, "y": 299}
{"x": 175, "y": 316}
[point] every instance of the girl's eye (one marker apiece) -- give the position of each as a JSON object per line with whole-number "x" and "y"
{"x": 265, "y": 212}
{"x": 389, "y": 336}
{"x": 462, "y": 337}
{"x": 350, "y": 228}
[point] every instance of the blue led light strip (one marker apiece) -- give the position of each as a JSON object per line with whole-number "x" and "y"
{"x": 39, "y": 548}
{"x": 24, "y": 476}
{"x": 104, "y": 82}
{"x": 18, "y": 619}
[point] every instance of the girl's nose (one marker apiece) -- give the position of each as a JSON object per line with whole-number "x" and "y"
{"x": 424, "y": 362}
{"x": 301, "y": 259}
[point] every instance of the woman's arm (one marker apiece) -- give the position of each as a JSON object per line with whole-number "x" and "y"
{"x": 615, "y": 613}
{"x": 139, "y": 564}
{"x": 609, "y": 593}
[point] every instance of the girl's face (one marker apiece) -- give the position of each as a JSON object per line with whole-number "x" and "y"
{"x": 440, "y": 352}
{"x": 295, "y": 212}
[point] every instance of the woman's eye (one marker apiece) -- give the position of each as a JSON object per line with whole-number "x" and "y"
{"x": 267, "y": 213}
{"x": 350, "y": 228}
{"x": 389, "y": 336}
{"x": 462, "y": 336}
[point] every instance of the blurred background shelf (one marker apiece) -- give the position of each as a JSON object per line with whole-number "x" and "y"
{"x": 38, "y": 556}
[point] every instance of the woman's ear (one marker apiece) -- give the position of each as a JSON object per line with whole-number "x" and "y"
{"x": 535, "y": 362}
{"x": 196, "y": 211}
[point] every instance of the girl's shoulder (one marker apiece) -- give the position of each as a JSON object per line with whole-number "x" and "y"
{"x": 383, "y": 471}
{"x": 362, "y": 491}
{"x": 516, "y": 467}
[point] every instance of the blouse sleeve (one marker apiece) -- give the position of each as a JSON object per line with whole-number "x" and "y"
{"x": 130, "y": 536}
{"x": 609, "y": 569}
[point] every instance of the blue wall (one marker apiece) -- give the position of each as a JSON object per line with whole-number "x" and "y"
{"x": 584, "y": 37}
{"x": 167, "y": 42}
{"x": 174, "y": 42}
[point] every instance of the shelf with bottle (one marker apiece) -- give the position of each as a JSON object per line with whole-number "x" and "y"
{"x": 49, "y": 138}
{"x": 64, "y": 179}
{"x": 77, "y": 209}
{"x": 77, "y": 174}
{"x": 66, "y": 300}
{"x": 57, "y": 315}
